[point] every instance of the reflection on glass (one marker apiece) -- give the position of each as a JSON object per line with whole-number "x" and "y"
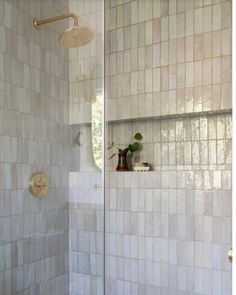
{"x": 97, "y": 129}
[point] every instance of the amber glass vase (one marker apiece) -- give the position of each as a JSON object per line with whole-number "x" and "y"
{"x": 122, "y": 162}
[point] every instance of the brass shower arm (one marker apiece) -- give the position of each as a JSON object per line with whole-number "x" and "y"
{"x": 38, "y": 22}
{"x": 74, "y": 36}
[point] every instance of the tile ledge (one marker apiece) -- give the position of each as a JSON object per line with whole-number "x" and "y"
{"x": 160, "y": 117}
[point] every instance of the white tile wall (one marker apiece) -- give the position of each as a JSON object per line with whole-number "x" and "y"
{"x": 34, "y": 135}
{"x": 86, "y": 62}
{"x": 168, "y": 231}
{"x": 167, "y": 57}
{"x": 170, "y": 238}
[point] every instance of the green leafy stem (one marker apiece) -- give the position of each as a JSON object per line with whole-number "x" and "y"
{"x": 131, "y": 148}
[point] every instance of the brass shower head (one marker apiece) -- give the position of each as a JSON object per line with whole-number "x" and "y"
{"x": 72, "y": 37}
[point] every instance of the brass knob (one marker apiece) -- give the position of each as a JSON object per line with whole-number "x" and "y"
{"x": 230, "y": 255}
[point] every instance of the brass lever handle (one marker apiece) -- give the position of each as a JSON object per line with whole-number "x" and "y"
{"x": 230, "y": 255}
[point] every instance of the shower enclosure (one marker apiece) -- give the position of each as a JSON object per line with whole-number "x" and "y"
{"x": 161, "y": 68}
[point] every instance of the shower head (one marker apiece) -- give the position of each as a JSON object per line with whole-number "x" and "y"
{"x": 75, "y": 36}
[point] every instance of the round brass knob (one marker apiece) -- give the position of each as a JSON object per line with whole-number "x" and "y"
{"x": 38, "y": 184}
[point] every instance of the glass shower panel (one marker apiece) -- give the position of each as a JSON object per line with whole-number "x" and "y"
{"x": 86, "y": 200}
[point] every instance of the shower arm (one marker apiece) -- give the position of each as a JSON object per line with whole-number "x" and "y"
{"x": 38, "y": 22}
